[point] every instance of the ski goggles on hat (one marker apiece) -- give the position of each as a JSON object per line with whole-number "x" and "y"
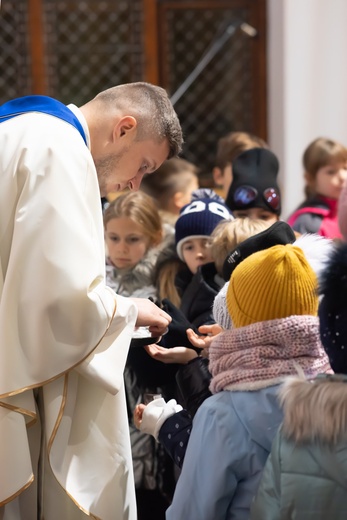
{"x": 244, "y": 195}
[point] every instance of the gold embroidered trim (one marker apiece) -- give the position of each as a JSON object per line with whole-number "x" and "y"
{"x": 61, "y": 411}
{"x": 17, "y": 493}
{"x": 57, "y": 424}
{"x": 17, "y": 409}
{"x": 50, "y": 443}
{"x": 42, "y": 383}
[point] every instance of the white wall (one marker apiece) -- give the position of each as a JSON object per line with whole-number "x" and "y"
{"x": 307, "y": 83}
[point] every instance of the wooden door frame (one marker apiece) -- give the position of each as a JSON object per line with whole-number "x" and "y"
{"x": 37, "y": 47}
{"x": 153, "y": 12}
{"x": 157, "y": 30}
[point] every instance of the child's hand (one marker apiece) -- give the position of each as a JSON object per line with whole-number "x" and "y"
{"x": 150, "y": 418}
{"x": 181, "y": 355}
{"x": 207, "y": 334}
{"x": 137, "y": 415}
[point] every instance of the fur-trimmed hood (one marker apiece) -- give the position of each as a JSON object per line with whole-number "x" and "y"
{"x": 317, "y": 250}
{"x": 315, "y": 410}
{"x": 137, "y": 282}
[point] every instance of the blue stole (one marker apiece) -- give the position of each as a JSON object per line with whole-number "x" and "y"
{"x": 44, "y": 104}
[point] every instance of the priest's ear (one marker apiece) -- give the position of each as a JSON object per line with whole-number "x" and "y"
{"x": 125, "y": 127}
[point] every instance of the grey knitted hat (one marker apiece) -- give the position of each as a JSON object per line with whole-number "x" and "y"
{"x": 220, "y": 311}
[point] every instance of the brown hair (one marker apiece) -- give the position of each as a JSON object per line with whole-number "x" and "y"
{"x": 234, "y": 143}
{"x": 321, "y": 152}
{"x": 229, "y": 233}
{"x": 151, "y": 107}
{"x": 173, "y": 176}
{"x": 140, "y": 208}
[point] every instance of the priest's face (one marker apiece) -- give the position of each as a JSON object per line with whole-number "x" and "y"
{"x": 125, "y": 166}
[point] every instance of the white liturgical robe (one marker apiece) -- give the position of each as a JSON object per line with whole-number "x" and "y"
{"x": 64, "y": 335}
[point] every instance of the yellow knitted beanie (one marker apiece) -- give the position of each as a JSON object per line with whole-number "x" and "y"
{"x": 271, "y": 284}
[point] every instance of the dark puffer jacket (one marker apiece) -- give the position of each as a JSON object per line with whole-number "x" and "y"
{"x": 198, "y": 292}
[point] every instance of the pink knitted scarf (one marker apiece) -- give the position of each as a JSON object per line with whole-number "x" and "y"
{"x": 264, "y": 353}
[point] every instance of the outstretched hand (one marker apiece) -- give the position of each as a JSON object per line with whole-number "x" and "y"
{"x": 137, "y": 415}
{"x": 206, "y": 334}
{"x": 181, "y": 355}
{"x": 151, "y": 316}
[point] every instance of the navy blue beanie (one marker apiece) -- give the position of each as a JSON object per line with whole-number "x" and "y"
{"x": 198, "y": 219}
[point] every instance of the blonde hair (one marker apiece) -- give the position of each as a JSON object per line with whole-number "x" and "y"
{"x": 315, "y": 410}
{"x": 229, "y": 233}
{"x": 321, "y": 152}
{"x": 234, "y": 143}
{"x": 140, "y": 208}
{"x": 166, "y": 281}
{"x": 173, "y": 176}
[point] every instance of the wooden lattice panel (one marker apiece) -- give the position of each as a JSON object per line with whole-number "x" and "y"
{"x": 221, "y": 99}
{"x": 15, "y": 74}
{"x": 91, "y": 46}
{"x": 72, "y": 49}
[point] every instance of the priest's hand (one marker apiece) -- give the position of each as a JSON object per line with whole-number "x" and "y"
{"x": 151, "y": 316}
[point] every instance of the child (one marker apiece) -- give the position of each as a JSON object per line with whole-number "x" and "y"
{"x": 268, "y": 236}
{"x": 160, "y": 421}
{"x": 196, "y": 286}
{"x": 193, "y": 377}
{"x": 325, "y": 164}
{"x": 305, "y": 475}
{"x": 228, "y": 148}
{"x": 228, "y": 234}
{"x": 133, "y": 231}
{"x": 254, "y": 192}
{"x": 273, "y": 305}
{"x": 171, "y": 186}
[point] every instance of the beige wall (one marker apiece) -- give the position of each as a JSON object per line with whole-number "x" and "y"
{"x": 307, "y": 83}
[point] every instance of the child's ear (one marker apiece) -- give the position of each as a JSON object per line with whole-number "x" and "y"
{"x": 157, "y": 239}
{"x": 178, "y": 200}
{"x": 218, "y": 175}
{"x": 309, "y": 179}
